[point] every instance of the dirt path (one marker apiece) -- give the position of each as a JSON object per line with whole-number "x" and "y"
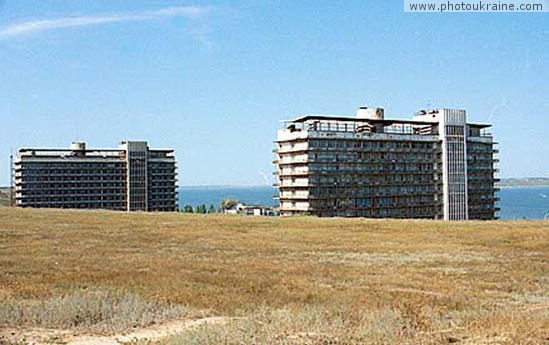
{"x": 49, "y": 336}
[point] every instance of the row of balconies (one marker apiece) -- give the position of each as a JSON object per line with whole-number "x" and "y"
{"x": 84, "y": 171}
{"x": 68, "y": 183}
{"x": 77, "y": 181}
{"x": 44, "y": 201}
{"x": 161, "y": 172}
{"x": 483, "y": 191}
{"x": 484, "y": 163}
{"x": 163, "y": 178}
{"x": 293, "y": 160}
{"x": 87, "y": 190}
{"x": 481, "y": 179}
{"x": 166, "y": 196}
{"x": 71, "y": 184}
{"x": 391, "y": 206}
{"x": 403, "y": 196}
{"x": 300, "y": 208}
{"x": 64, "y": 166}
{"x": 71, "y": 173}
{"x": 352, "y": 172}
{"x": 479, "y": 174}
{"x": 343, "y": 184}
{"x": 336, "y": 150}
{"x": 163, "y": 199}
{"x": 162, "y": 208}
{"x": 429, "y": 150}
{"x": 374, "y": 177}
{"x": 112, "y": 207}
{"x": 35, "y": 187}
{"x": 170, "y": 172}
{"x": 425, "y": 206}
{"x": 162, "y": 190}
{"x": 480, "y": 156}
{"x": 72, "y": 194}
{"x": 473, "y": 198}
{"x": 365, "y": 161}
{"x": 352, "y": 160}
{"x": 471, "y": 168}
{"x": 154, "y": 186}
{"x": 483, "y": 210}
{"x": 63, "y": 176}
{"x": 67, "y": 167}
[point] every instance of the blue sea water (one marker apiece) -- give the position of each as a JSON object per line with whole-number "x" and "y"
{"x": 524, "y": 202}
{"x": 516, "y": 202}
{"x": 213, "y": 195}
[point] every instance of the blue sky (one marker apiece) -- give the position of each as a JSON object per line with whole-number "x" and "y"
{"x": 213, "y": 79}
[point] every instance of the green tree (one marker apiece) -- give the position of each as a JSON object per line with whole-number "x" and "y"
{"x": 188, "y": 209}
{"x": 228, "y": 203}
{"x": 201, "y": 209}
{"x": 212, "y": 209}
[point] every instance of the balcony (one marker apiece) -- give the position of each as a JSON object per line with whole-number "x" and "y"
{"x": 293, "y": 172}
{"x": 295, "y": 208}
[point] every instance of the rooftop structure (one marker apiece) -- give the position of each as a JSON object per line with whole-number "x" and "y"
{"x": 434, "y": 166}
{"x": 132, "y": 177}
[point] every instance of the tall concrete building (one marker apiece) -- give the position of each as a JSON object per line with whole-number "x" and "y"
{"x": 434, "y": 166}
{"x": 132, "y": 177}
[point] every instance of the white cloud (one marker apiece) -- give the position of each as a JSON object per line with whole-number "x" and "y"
{"x": 29, "y": 27}
{"x": 500, "y": 106}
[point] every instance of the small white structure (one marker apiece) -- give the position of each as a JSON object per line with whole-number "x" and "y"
{"x": 252, "y": 210}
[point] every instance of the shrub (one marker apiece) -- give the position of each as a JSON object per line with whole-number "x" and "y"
{"x": 112, "y": 311}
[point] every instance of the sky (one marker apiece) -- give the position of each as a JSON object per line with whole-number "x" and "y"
{"x": 213, "y": 79}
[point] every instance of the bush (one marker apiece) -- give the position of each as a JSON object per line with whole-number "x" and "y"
{"x": 98, "y": 310}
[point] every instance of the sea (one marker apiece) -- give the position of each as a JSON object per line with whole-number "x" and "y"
{"x": 515, "y": 202}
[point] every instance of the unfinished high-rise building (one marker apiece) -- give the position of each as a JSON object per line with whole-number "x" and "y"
{"x": 434, "y": 166}
{"x": 132, "y": 177}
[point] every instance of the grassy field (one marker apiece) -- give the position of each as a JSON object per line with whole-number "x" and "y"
{"x": 299, "y": 280}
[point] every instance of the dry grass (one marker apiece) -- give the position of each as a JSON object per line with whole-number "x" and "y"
{"x": 97, "y": 311}
{"x": 387, "y": 325}
{"x": 298, "y": 280}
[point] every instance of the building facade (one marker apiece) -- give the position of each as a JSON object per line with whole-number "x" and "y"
{"x": 132, "y": 177}
{"x": 434, "y": 166}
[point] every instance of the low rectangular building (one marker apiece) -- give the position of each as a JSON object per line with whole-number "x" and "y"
{"x": 434, "y": 166}
{"x": 132, "y": 177}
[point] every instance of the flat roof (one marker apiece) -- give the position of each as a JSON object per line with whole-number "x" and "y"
{"x": 64, "y": 149}
{"x": 308, "y": 117}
